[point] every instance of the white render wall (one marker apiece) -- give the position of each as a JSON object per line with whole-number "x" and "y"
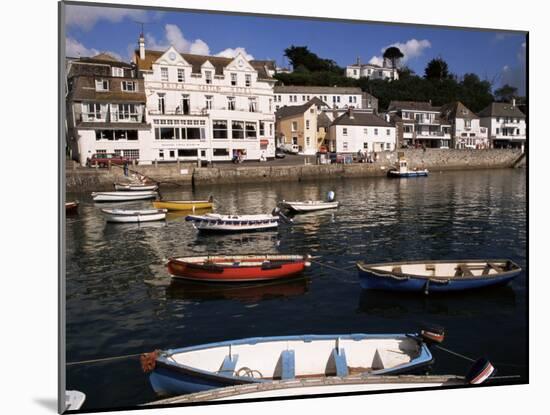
{"x": 475, "y": 135}
{"x": 514, "y": 123}
{"x": 357, "y": 136}
{"x": 371, "y": 72}
{"x": 332, "y": 100}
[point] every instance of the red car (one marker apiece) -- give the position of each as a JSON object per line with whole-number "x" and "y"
{"x": 103, "y": 159}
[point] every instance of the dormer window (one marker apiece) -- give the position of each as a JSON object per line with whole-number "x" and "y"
{"x": 119, "y": 72}
{"x": 233, "y": 79}
{"x": 101, "y": 85}
{"x": 129, "y": 86}
{"x": 164, "y": 74}
{"x": 248, "y": 80}
{"x": 208, "y": 77}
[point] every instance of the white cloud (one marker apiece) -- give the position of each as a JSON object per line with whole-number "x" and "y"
{"x": 411, "y": 49}
{"x": 174, "y": 36}
{"x": 231, "y": 53}
{"x": 75, "y": 49}
{"x": 85, "y": 17}
{"x": 515, "y": 74}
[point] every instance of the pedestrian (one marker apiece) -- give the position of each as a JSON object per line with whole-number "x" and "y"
{"x": 125, "y": 168}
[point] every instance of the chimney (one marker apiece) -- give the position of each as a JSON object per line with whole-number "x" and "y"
{"x": 141, "y": 46}
{"x": 387, "y": 117}
{"x": 358, "y": 61}
{"x": 513, "y": 102}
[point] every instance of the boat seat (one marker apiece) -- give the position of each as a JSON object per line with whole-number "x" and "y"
{"x": 377, "y": 362}
{"x": 340, "y": 362}
{"x": 463, "y": 271}
{"x": 287, "y": 364}
{"x": 229, "y": 364}
{"x": 430, "y": 267}
{"x": 397, "y": 270}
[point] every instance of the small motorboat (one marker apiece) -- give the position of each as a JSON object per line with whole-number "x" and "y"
{"x": 403, "y": 171}
{"x": 74, "y": 400}
{"x": 71, "y": 207}
{"x": 437, "y": 276}
{"x": 132, "y": 187}
{"x": 480, "y": 373}
{"x": 237, "y": 268}
{"x": 184, "y": 204}
{"x": 266, "y": 359}
{"x": 133, "y": 216}
{"x": 123, "y": 196}
{"x": 213, "y": 222}
{"x": 310, "y": 205}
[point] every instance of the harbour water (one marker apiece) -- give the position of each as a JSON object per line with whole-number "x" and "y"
{"x": 120, "y": 300}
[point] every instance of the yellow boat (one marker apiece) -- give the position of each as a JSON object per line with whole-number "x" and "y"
{"x": 183, "y": 204}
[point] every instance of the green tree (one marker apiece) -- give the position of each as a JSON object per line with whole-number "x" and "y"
{"x": 393, "y": 54}
{"x": 437, "y": 69}
{"x": 506, "y": 93}
{"x": 301, "y": 57}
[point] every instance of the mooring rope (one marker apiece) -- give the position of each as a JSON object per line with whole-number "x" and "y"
{"x": 473, "y": 360}
{"x": 104, "y": 359}
{"x": 332, "y": 267}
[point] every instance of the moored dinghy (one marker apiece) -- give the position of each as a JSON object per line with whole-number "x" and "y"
{"x": 133, "y": 216}
{"x": 123, "y": 196}
{"x": 213, "y": 222}
{"x": 310, "y": 205}
{"x": 135, "y": 186}
{"x": 402, "y": 170}
{"x": 437, "y": 276}
{"x": 184, "y": 204}
{"x": 71, "y": 207}
{"x": 237, "y": 268}
{"x": 265, "y": 359}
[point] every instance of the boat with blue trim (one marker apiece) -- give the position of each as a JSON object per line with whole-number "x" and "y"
{"x": 402, "y": 170}
{"x": 266, "y": 359}
{"x": 437, "y": 276}
{"x": 213, "y": 222}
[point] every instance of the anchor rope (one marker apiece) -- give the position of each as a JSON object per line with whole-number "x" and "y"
{"x": 103, "y": 359}
{"x": 473, "y": 360}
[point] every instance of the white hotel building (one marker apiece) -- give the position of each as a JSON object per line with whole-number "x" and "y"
{"x": 206, "y": 107}
{"x": 335, "y": 97}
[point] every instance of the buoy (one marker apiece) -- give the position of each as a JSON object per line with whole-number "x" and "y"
{"x": 330, "y": 196}
{"x": 480, "y": 371}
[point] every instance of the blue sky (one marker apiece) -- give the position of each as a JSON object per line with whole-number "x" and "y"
{"x": 496, "y": 56}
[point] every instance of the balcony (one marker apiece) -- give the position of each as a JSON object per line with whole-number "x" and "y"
{"x": 198, "y": 113}
{"x": 111, "y": 117}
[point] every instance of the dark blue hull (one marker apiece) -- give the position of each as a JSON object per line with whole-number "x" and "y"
{"x": 398, "y": 175}
{"x": 370, "y": 281}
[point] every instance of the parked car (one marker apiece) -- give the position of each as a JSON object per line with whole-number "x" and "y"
{"x": 280, "y": 154}
{"x": 290, "y": 148}
{"x": 103, "y": 159}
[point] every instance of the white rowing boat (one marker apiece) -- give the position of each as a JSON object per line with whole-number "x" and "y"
{"x": 135, "y": 187}
{"x": 133, "y": 216}
{"x": 123, "y": 196}
{"x": 308, "y": 206}
{"x": 213, "y": 222}
{"x": 74, "y": 400}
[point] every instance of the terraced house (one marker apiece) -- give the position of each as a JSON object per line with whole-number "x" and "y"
{"x": 419, "y": 124}
{"x": 466, "y": 129}
{"x": 105, "y": 108}
{"x": 335, "y": 97}
{"x": 207, "y": 107}
{"x": 505, "y": 123}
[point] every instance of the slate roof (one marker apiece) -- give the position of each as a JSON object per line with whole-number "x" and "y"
{"x": 501, "y": 109}
{"x": 83, "y": 89}
{"x": 323, "y": 120}
{"x": 361, "y": 118}
{"x": 412, "y": 105}
{"x": 293, "y": 110}
{"x": 286, "y": 89}
{"x": 457, "y": 110}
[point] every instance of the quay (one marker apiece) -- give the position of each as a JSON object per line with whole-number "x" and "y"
{"x": 292, "y": 168}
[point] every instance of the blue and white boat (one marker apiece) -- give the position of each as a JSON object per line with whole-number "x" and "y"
{"x": 267, "y": 359}
{"x": 403, "y": 171}
{"x": 437, "y": 276}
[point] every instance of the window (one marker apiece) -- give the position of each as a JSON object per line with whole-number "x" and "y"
{"x": 117, "y": 72}
{"x": 388, "y": 146}
{"x": 208, "y": 77}
{"x": 104, "y": 135}
{"x": 231, "y": 103}
{"x": 237, "y": 129}
{"x": 161, "y": 154}
{"x": 132, "y": 153}
{"x": 221, "y": 152}
{"x": 376, "y": 131}
{"x": 181, "y": 75}
{"x": 101, "y": 85}
{"x": 344, "y": 131}
{"x": 270, "y": 129}
{"x": 247, "y": 80}
{"x": 185, "y": 105}
{"x": 366, "y": 146}
{"x": 219, "y": 129}
{"x": 208, "y": 102}
{"x": 388, "y": 131}
{"x": 233, "y": 79}
{"x": 194, "y": 133}
{"x": 365, "y": 131}
{"x": 187, "y": 152}
{"x": 350, "y": 99}
{"x": 127, "y": 112}
{"x": 252, "y": 104}
{"x": 164, "y": 133}
{"x": 345, "y": 145}
{"x": 164, "y": 74}
{"x": 262, "y": 128}
{"x": 467, "y": 123}
{"x": 307, "y": 124}
{"x": 270, "y": 105}
{"x": 498, "y": 131}
{"x": 92, "y": 112}
{"x": 294, "y": 126}
{"x": 303, "y": 97}
{"x": 251, "y": 130}
{"x": 161, "y": 103}
{"x": 308, "y": 141}
{"x": 129, "y": 86}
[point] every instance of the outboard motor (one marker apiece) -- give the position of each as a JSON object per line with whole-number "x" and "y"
{"x": 480, "y": 371}
{"x": 330, "y": 196}
{"x": 431, "y": 335}
{"x": 277, "y": 212}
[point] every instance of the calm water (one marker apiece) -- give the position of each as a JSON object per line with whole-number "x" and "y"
{"x": 120, "y": 299}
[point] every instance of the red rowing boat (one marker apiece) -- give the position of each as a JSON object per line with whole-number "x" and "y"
{"x": 237, "y": 268}
{"x": 71, "y": 207}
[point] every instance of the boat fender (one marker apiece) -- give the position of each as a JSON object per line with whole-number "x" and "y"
{"x": 148, "y": 361}
{"x": 432, "y": 334}
{"x": 330, "y": 196}
{"x": 480, "y": 371}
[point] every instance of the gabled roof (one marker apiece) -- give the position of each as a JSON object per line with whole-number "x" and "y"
{"x": 103, "y": 59}
{"x": 285, "y": 89}
{"x": 412, "y": 105}
{"x": 501, "y": 109}
{"x": 293, "y": 110}
{"x": 457, "y": 110}
{"x": 323, "y": 120}
{"x": 196, "y": 61}
{"x": 361, "y": 118}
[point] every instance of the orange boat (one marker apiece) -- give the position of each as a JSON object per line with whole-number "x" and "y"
{"x": 237, "y": 268}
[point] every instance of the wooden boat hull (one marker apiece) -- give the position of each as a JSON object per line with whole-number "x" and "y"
{"x": 135, "y": 187}
{"x": 278, "y": 267}
{"x": 122, "y": 196}
{"x": 183, "y": 205}
{"x": 303, "y": 207}
{"x": 397, "y": 174}
{"x": 71, "y": 207}
{"x": 169, "y": 377}
{"x": 133, "y": 216}
{"x": 373, "y": 279}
